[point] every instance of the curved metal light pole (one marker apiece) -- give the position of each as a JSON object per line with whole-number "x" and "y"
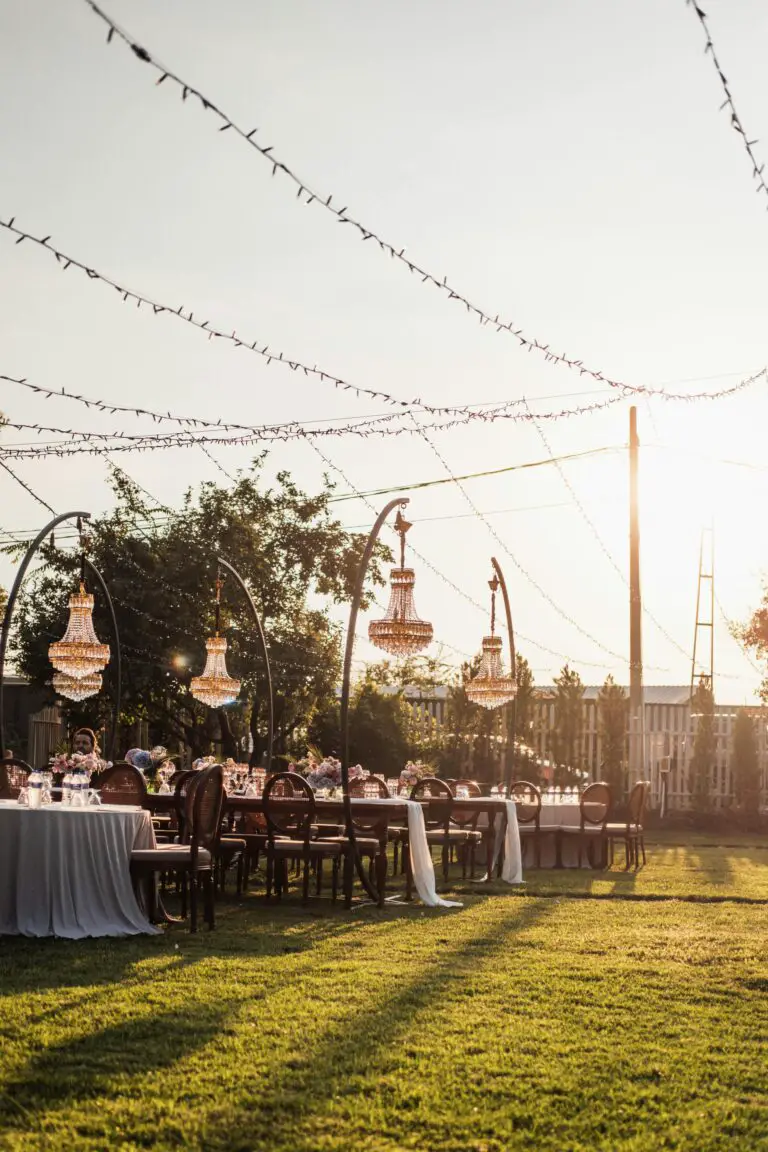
{"x": 260, "y": 630}
{"x": 513, "y": 668}
{"x": 357, "y": 596}
{"x": 118, "y": 655}
{"x": 13, "y": 595}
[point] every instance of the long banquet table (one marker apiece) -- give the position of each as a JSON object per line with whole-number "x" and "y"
{"x": 497, "y": 821}
{"x": 66, "y": 871}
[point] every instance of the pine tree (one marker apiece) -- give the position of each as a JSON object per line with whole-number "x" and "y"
{"x": 613, "y": 710}
{"x": 566, "y": 737}
{"x": 745, "y": 768}
{"x": 704, "y": 745}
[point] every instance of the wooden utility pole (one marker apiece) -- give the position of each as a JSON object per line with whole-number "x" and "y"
{"x": 636, "y": 708}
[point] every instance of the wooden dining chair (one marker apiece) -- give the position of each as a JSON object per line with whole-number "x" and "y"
{"x": 527, "y": 800}
{"x": 123, "y": 784}
{"x": 14, "y": 774}
{"x": 437, "y": 821}
{"x": 465, "y": 819}
{"x": 193, "y": 859}
{"x": 289, "y": 809}
{"x": 591, "y": 831}
{"x": 631, "y": 831}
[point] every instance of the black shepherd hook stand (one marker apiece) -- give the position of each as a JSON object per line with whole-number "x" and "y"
{"x": 257, "y": 621}
{"x": 357, "y": 596}
{"x": 13, "y": 596}
{"x": 513, "y": 672}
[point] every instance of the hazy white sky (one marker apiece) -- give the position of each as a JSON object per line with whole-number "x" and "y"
{"x": 564, "y": 164}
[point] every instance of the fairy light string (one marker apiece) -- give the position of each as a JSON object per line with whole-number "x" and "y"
{"x": 729, "y": 105}
{"x": 308, "y": 194}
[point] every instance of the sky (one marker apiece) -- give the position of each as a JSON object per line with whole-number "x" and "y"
{"x": 564, "y": 165}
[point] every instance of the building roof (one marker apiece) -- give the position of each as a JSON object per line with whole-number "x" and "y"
{"x": 652, "y": 693}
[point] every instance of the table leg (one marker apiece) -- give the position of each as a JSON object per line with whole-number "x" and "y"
{"x": 490, "y": 844}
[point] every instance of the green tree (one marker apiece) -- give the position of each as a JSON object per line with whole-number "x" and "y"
{"x": 377, "y": 729}
{"x": 520, "y": 723}
{"x": 704, "y": 745}
{"x": 566, "y": 737}
{"x": 290, "y": 551}
{"x": 613, "y": 713}
{"x": 745, "y": 767}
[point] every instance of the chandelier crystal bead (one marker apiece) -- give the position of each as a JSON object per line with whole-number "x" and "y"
{"x": 401, "y": 632}
{"x": 215, "y": 687}
{"x": 72, "y": 689}
{"x": 490, "y": 688}
{"x": 79, "y": 653}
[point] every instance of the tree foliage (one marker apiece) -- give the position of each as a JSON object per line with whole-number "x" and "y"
{"x": 566, "y": 735}
{"x": 704, "y": 745}
{"x": 290, "y": 551}
{"x": 745, "y": 766}
{"x": 613, "y": 713}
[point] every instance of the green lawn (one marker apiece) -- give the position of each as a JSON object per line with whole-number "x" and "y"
{"x": 588, "y": 1012}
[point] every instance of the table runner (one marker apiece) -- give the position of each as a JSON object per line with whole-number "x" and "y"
{"x": 66, "y": 871}
{"x": 512, "y": 863}
{"x": 422, "y": 866}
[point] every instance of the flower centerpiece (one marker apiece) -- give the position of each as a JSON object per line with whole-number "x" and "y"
{"x": 413, "y": 772}
{"x": 357, "y": 772}
{"x": 154, "y": 765}
{"x": 202, "y": 762}
{"x": 87, "y": 762}
{"x": 323, "y": 776}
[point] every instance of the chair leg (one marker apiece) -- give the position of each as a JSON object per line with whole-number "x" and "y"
{"x": 270, "y": 873}
{"x": 408, "y": 872}
{"x": 193, "y": 903}
{"x": 349, "y": 877}
{"x": 381, "y": 875}
{"x": 446, "y": 861}
{"x": 319, "y": 877}
{"x": 335, "y": 879}
{"x": 305, "y": 885}
{"x": 642, "y": 847}
{"x": 184, "y": 880}
{"x": 210, "y": 901}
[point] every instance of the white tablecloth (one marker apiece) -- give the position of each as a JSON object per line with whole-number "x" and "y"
{"x": 559, "y": 816}
{"x": 66, "y": 871}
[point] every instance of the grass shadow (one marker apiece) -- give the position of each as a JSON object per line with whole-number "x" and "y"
{"x": 297, "y": 1090}
{"x": 87, "y": 1066}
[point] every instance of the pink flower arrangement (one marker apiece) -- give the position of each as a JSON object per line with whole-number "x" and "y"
{"x": 77, "y": 762}
{"x": 357, "y": 772}
{"x": 413, "y": 772}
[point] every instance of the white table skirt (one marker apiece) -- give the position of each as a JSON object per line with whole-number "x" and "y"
{"x": 66, "y": 871}
{"x": 558, "y": 816}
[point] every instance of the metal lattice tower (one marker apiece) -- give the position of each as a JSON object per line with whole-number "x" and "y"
{"x": 703, "y": 662}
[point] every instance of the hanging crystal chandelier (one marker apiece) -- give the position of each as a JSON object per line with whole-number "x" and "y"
{"x": 401, "y": 632}
{"x": 215, "y": 687}
{"x": 64, "y": 685}
{"x": 79, "y": 653}
{"x": 491, "y": 688}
